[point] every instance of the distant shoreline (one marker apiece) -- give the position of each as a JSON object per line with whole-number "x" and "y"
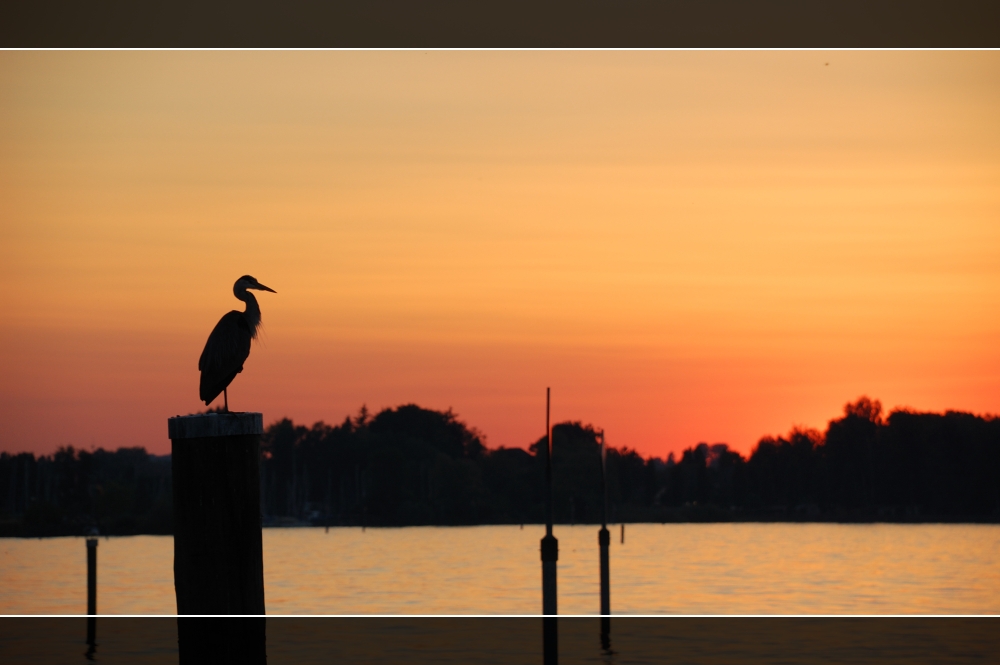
{"x": 20, "y": 531}
{"x": 411, "y": 466}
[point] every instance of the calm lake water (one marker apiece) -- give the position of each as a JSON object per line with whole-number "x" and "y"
{"x": 660, "y": 569}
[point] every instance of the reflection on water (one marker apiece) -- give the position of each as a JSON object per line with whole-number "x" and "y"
{"x": 91, "y": 637}
{"x": 661, "y": 569}
{"x": 509, "y": 641}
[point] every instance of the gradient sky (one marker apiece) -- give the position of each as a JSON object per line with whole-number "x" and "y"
{"x": 686, "y": 246}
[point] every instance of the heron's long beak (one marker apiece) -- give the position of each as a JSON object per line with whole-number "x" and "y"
{"x": 261, "y": 287}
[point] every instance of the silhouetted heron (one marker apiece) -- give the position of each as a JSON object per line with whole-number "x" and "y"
{"x": 228, "y": 346}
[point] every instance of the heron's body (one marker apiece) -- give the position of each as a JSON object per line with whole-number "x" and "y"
{"x": 228, "y": 346}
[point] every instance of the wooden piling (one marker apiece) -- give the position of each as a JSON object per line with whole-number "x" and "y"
{"x": 221, "y": 640}
{"x": 91, "y": 576}
{"x": 218, "y": 553}
{"x": 91, "y": 595}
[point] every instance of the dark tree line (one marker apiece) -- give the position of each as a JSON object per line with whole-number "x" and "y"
{"x": 73, "y": 491}
{"x": 409, "y": 466}
{"x": 905, "y": 467}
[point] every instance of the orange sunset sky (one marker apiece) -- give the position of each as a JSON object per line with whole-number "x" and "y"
{"x": 686, "y": 246}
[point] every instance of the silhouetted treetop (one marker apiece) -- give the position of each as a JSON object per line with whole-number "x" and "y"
{"x": 865, "y": 409}
{"x": 442, "y": 431}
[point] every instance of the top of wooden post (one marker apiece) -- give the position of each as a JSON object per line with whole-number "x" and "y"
{"x": 202, "y": 425}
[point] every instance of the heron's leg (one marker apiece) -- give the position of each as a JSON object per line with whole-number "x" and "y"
{"x": 225, "y": 396}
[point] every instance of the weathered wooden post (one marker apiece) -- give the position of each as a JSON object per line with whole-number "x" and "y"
{"x": 91, "y": 576}
{"x": 218, "y": 553}
{"x": 91, "y": 593}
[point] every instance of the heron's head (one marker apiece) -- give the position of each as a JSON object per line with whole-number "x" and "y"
{"x": 247, "y": 282}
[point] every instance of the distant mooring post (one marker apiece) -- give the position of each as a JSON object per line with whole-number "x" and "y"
{"x": 91, "y": 576}
{"x": 91, "y": 592}
{"x": 604, "y": 540}
{"x": 550, "y": 552}
{"x": 218, "y": 554}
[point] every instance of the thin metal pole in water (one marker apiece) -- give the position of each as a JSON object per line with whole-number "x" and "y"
{"x": 604, "y": 537}
{"x": 550, "y": 546}
{"x": 604, "y": 540}
{"x": 548, "y": 464}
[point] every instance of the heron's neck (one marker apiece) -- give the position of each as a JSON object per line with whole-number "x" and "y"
{"x": 252, "y": 312}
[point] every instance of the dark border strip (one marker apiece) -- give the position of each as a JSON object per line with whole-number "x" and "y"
{"x": 500, "y": 24}
{"x": 508, "y": 640}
